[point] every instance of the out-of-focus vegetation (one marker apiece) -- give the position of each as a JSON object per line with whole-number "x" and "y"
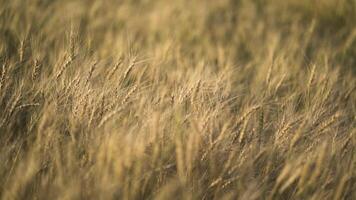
{"x": 143, "y": 99}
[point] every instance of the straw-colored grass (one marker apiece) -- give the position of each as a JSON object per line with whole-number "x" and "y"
{"x": 139, "y": 99}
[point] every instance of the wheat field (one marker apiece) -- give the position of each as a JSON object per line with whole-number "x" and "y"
{"x": 160, "y": 99}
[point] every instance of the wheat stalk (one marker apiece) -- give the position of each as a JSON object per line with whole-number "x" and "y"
{"x": 114, "y": 69}
{"x": 109, "y": 116}
{"x": 14, "y": 104}
{"x": 327, "y": 123}
{"x": 64, "y": 66}
{"x": 268, "y": 77}
{"x": 128, "y": 70}
{"x": 22, "y": 50}
{"x": 36, "y": 69}
{"x": 27, "y": 105}
{"x": 72, "y": 43}
{"x": 279, "y": 84}
{"x": 247, "y": 113}
{"x": 90, "y": 73}
{"x": 3, "y": 76}
{"x": 311, "y": 78}
{"x": 128, "y": 95}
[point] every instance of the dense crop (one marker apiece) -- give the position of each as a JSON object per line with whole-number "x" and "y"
{"x": 214, "y": 99}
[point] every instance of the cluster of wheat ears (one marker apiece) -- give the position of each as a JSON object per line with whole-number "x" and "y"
{"x": 141, "y": 99}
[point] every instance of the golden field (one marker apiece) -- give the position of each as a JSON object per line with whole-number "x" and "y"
{"x": 160, "y": 99}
